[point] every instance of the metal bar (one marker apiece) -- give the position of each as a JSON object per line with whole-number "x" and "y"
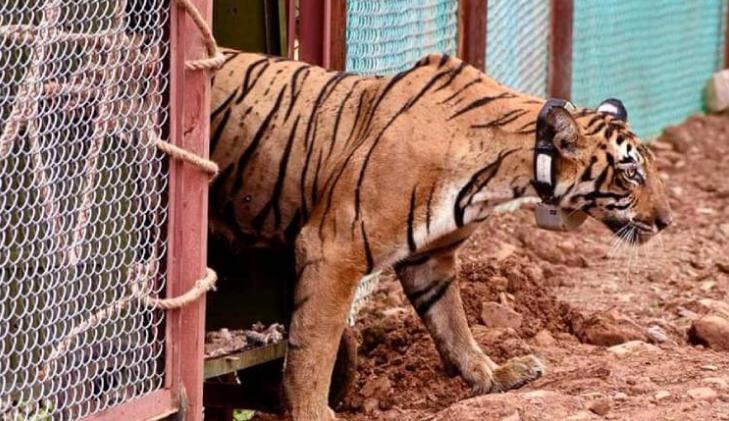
{"x": 560, "y": 49}
{"x": 291, "y": 33}
{"x": 472, "y": 21}
{"x": 248, "y": 358}
{"x": 337, "y": 54}
{"x": 154, "y": 406}
{"x": 311, "y": 32}
{"x": 187, "y": 228}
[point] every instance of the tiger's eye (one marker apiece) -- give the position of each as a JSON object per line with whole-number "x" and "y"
{"x": 630, "y": 172}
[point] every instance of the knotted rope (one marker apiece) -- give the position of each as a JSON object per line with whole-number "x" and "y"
{"x": 138, "y": 272}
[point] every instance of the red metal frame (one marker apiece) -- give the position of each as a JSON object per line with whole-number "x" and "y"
{"x": 472, "y": 22}
{"x": 559, "y": 84}
{"x": 322, "y": 32}
{"x": 187, "y": 233}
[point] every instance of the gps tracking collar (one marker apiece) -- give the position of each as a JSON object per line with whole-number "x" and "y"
{"x": 546, "y": 162}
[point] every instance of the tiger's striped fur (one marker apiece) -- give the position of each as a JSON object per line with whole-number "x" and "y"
{"x": 361, "y": 173}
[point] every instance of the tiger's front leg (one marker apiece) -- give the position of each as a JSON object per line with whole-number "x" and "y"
{"x": 429, "y": 281}
{"x": 324, "y": 291}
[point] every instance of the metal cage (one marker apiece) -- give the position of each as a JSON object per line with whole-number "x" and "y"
{"x": 93, "y": 215}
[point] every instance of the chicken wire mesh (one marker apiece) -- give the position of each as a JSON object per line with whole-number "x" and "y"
{"x": 654, "y": 56}
{"x": 83, "y": 204}
{"x": 386, "y": 37}
{"x": 517, "y": 47}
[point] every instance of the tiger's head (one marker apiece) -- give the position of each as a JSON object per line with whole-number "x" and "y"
{"x": 605, "y": 171}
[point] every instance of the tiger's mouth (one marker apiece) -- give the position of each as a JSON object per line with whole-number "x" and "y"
{"x": 633, "y": 231}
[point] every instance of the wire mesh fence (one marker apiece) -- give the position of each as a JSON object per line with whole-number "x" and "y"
{"x": 82, "y": 203}
{"x": 517, "y": 47}
{"x": 655, "y": 56}
{"x": 386, "y": 37}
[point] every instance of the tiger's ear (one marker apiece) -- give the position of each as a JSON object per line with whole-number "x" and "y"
{"x": 565, "y": 133}
{"x": 614, "y": 107}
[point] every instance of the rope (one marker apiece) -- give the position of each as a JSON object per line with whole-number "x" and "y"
{"x": 214, "y": 60}
{"x": 177, "y": 152}
{"x": 215, "y": 57}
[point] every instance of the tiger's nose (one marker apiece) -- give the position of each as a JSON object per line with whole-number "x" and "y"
{"x": 662, "y": 221}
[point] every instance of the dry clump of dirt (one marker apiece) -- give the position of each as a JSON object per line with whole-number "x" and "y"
{"x": 613, "y": 326}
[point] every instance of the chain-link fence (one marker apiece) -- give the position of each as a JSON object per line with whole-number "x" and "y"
{"x": 517, "y": 47}
{"x": 655, "y": 56}
{"x": 82, "y": 204}
{"x": 386, "y": 37}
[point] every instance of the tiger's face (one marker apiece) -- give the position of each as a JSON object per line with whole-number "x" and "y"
{"x": 608, "y": 173}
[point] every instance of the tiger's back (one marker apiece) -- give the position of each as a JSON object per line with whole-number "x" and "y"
{"x": 269, "y": 119}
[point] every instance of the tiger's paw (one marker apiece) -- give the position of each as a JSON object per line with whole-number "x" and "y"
{"x": 517, "y": 372}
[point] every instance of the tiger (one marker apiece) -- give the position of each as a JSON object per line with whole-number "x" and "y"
{"x": 360, "y": 173}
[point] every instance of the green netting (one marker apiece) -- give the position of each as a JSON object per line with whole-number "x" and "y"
{"x": 517, "y": 47}
{"x": 385, "y": 37}
{"x": 656, "y": 56}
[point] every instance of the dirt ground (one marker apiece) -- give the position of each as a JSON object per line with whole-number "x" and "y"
{"x": 573, "y": 297}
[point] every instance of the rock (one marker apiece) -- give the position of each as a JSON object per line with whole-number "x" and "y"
{"x": 370, "y": 405}
{"x": 724, "y": 228}
{"x": 632, "y": 347}
{"x": 656, "y": 335}
{"x": 600, "y": 406}
{"x": 605, "y": 330}
{"x": 513, "y": 417}
{"x": 702, "y": 394}
{"x": 544, "y": 339}
{"x": 499, "y": 316}
{"x": 662, "y": 394}
{"x": 712, "y": 331}
{"x": 620, "y": 396}
{"x": 709, "y": 367}
{"x": 679, "y": 136}
{"x": 719, "y": 382}
{"x": 378, "y": 387}
{"x": 723, "y": 266}
{"x": 715, "y": 306}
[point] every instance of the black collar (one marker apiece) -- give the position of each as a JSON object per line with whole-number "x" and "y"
{"x": 546, "y": 156}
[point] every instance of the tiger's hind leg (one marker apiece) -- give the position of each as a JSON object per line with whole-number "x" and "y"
{"x": 327, "y": 279}
{"x": 430, "y": 284}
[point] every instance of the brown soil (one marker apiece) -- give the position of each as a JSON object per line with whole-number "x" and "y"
{"x": 576, "y": 299}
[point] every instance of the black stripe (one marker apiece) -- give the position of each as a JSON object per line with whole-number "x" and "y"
{"x": 438, "y": 293}
{"x": 293, "y": 228}
{"x": 443, "y": 60}
{"x": 480, "y": 103}
{"x": 504, "y": 119}
{"x": 215, "y": 139}
{"x": 477, "y": 182}
{"x": 294, "y": 92}
{"x": 218, "y": 183}
{"x": 316, "y": 178}
{"x": 425, "y": 255}
{"x": 453, "y": 75}
{"x": 260, "y": 132}
{"x": 587, "y": 173}
{"x": 597, "y": 129}
{"x": 406, "y": 107}
{"x": 390, "y": 84}
{"x": 274, "y": 202}
{"x": 459, "y": 91}
{"x": 246, "y": 80}
{"x": 340, "y": 109}
{"x": 223, "y": 105}
{"x": 427, "y": 209}
{"x": 411, "y": 219}
{"x": 356, "y": 118}
{"x": 368, "y": 251}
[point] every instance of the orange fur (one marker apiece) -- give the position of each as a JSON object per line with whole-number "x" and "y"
{"x": 361, "y": 173}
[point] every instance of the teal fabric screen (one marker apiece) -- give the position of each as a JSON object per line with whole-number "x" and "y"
{"x": 386, "y": 37}
{"x": 655, "y": 55}
{"x": 517, "y": 44}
